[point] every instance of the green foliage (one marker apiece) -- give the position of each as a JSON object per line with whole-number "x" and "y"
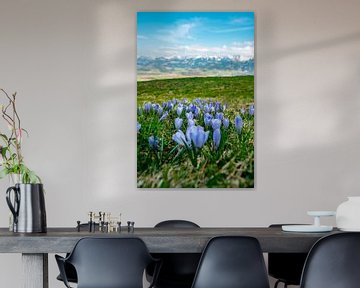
{"x": 26, "y": 175}
{"x": 181, "y": 166}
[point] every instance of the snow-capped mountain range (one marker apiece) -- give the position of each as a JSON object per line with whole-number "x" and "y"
{"x": 195, "y": 66}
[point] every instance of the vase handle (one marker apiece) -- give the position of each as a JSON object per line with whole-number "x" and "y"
{"x": 13, "y": 208}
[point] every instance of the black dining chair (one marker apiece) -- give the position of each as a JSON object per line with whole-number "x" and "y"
{"x": 70, "y": 271}
{"x": 286, "y": 267}
{"x": 333, "y": 262}
{"x": 108, "y": 263}
{"x": 178, "y": 269}
{"x": 232, "y": 262}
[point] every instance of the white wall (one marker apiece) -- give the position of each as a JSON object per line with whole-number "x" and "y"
{"x": 73, "y": 66}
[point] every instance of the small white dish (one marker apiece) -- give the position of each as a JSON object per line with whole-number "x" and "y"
{"x": 321, "y": 213}
{"x": 306, "y": 228}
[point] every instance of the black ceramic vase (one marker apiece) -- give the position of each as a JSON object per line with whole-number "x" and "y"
{"x": 27, "y": 204}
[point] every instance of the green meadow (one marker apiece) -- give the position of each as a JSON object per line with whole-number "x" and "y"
{"x": 165, "y": 163}
{"x": 236, "y": 91}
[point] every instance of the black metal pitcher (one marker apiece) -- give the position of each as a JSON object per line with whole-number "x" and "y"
{"x": 28, "y": 208}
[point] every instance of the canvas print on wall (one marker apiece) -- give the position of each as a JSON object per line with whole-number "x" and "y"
{"x": 195, "y": 100}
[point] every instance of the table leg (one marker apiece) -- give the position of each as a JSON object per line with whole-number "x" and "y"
{"x": 35, "y": 270}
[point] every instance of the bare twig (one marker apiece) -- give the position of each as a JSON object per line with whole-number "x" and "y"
{"x": 14, "y": 124}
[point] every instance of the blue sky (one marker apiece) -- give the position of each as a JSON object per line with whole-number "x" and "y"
{"x": 170, "y": 34}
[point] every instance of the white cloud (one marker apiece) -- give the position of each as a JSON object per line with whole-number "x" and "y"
{"x": 230, "y": 30}
{"x": 177, "y": 33}
{"x": 142, "y": 37}
{"x": 183, "y": 31}
{"x": 242, "y": 21}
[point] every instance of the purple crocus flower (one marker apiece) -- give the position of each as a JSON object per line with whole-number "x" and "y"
{"x": 188, "y": 133}
{"x": 243, "y": 110}
{"x": 154, "y": 142}
{"x": 198, "y": 101}
{"x": 189, "y": 115}
{"x": 226, "y": 123}
{"x": 191, "y": 107}
{"x": 217, "y": 138}
{"x": 196, "y": 111}
{"x": 179, "y": 110}
{"x": 147, "y": 107}
{"x": 138, "y": 126}
{"x": 206, "y": 108}
{"x": 219, "y": 115}
{"x": 207, "y": 119}
{"x": 251, "y": 110}
{"x": 178, "y": 123}
{"x": 163, "y": 117}
{"x": 238, "y": 123}
{"x": 191, "y": 123}
{"x": 216, "y": 124}
{"x": 198, "y": 136}
{"x": 179, "y": 137}
{"x": 217, "y": 106}
{"x": 159, "y": 110}
{"x": 170, "y": 105}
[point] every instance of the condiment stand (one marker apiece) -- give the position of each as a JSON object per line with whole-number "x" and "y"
{"x": 316, "y": 227}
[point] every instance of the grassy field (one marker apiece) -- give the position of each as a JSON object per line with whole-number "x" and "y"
{"x": 200, "y": 159}
{"x": 236, "y": 91}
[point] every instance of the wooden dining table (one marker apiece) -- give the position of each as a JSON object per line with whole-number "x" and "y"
{"x": 35, "y": 247}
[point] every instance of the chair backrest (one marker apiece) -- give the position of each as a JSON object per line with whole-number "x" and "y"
{"x": 333, "y": 262}
{"x": 176, "y": 224}
{"x": 232, "y": 262}
{"x": 110, "y": 262}
{"x": 178, "y": 269}
{"x": 286, "y": 267}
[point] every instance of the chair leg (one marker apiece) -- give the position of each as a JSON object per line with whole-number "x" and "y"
{"x": 278, "y": 282}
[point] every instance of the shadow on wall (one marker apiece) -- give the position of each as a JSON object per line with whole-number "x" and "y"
{"x": 307, "y": 119}
{"x": 310, "y": 47}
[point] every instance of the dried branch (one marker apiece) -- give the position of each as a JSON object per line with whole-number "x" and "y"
{"x": 10, "y": 153}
